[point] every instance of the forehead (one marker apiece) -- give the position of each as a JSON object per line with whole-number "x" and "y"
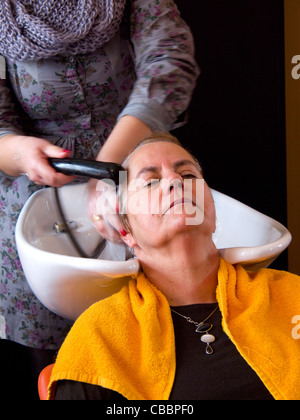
{"x": 157, "y": 154}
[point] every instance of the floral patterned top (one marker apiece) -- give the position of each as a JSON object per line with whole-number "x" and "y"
{"x": 147, "y": 70}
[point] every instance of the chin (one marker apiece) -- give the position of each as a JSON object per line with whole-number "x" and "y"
{"x": 183, "y": 223}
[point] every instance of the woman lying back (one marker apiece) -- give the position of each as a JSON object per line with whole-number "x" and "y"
{"x": 190, "y": 326}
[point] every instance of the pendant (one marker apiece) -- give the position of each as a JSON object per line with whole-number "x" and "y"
{"x": 203, "y": 328}
{"x": 207, "y": 339}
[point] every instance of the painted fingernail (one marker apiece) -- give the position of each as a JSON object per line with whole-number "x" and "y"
{"x": 123, "y": 232}
{"x": 66, "y": 151}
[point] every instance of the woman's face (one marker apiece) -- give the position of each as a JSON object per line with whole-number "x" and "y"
{"x": 166, "y": 196}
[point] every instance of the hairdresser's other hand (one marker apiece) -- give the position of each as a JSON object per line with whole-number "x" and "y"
{"x": 104, "y": 210}
{"x": 29, "y": 155}
{"x": 127, "y": 133}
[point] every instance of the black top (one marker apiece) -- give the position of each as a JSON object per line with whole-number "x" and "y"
{"x": 223, "y": 375}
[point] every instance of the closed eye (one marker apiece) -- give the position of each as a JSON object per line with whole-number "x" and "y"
{"x": 189, "y": 176}
{"x": 151, "y": 183}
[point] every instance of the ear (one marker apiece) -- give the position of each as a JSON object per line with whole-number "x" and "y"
{"x": 129, "y": 240}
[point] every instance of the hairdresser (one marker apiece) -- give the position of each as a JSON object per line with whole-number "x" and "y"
{"x": 86, "y": 79}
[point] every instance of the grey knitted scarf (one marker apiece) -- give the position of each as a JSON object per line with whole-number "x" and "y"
{"x": 34, "y": 29}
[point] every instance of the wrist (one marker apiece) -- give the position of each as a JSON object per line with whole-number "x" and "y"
{"x": 127, "y": 133}
{"x": 17, "y": 153}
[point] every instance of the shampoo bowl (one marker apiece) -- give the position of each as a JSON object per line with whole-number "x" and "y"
{"x": 68, "y": 284}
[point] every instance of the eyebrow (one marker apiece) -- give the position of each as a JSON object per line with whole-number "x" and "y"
{"x": 176, "y": 166}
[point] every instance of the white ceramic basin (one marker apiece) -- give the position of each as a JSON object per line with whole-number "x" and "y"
{"x": 64, "y": 282}
{"x": 68, "y": 284}
{"x": 246, "y": 236}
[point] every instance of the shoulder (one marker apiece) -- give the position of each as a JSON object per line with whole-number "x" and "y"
{"x": 238, "y": 284}
{"x": 276, "y": 287}
{"x": 108, "y": 308}
{"x": 273, "y": 276}
{"x": 87, "y": 336}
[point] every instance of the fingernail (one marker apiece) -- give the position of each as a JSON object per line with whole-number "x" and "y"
{"x": 123, "y": 232}
{"x": 66, "y": 151}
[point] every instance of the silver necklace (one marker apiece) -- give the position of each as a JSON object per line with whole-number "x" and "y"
{"x": 202, "y": 328}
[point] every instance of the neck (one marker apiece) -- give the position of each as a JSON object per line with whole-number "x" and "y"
{"x": 185, "y": 277}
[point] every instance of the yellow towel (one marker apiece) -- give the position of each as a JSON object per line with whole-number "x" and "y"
{"x": 258, "y": 309}
{"x": 126, "y": 342}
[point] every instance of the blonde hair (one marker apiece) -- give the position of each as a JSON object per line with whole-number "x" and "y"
{"x": 153, "y": 138}
{"x": 157, "y": 137}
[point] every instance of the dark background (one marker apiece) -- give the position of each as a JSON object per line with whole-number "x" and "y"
{"x": 237, "y": 116}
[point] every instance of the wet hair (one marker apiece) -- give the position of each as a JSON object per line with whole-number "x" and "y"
{"x": 158, "y": 137}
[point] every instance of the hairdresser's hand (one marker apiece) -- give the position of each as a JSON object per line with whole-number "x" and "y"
{"x": 104, "y": 210}
{"x": 29, "y": 155}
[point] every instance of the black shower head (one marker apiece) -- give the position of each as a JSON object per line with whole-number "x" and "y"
{"x": 87, "y": 168}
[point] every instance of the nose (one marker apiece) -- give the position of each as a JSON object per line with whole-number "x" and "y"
{"x": 174, "y": 184}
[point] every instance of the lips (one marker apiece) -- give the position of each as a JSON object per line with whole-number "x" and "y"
{"x": 180, "y": 201}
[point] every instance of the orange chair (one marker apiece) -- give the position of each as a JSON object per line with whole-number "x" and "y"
{"x": 43, "y": 381}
